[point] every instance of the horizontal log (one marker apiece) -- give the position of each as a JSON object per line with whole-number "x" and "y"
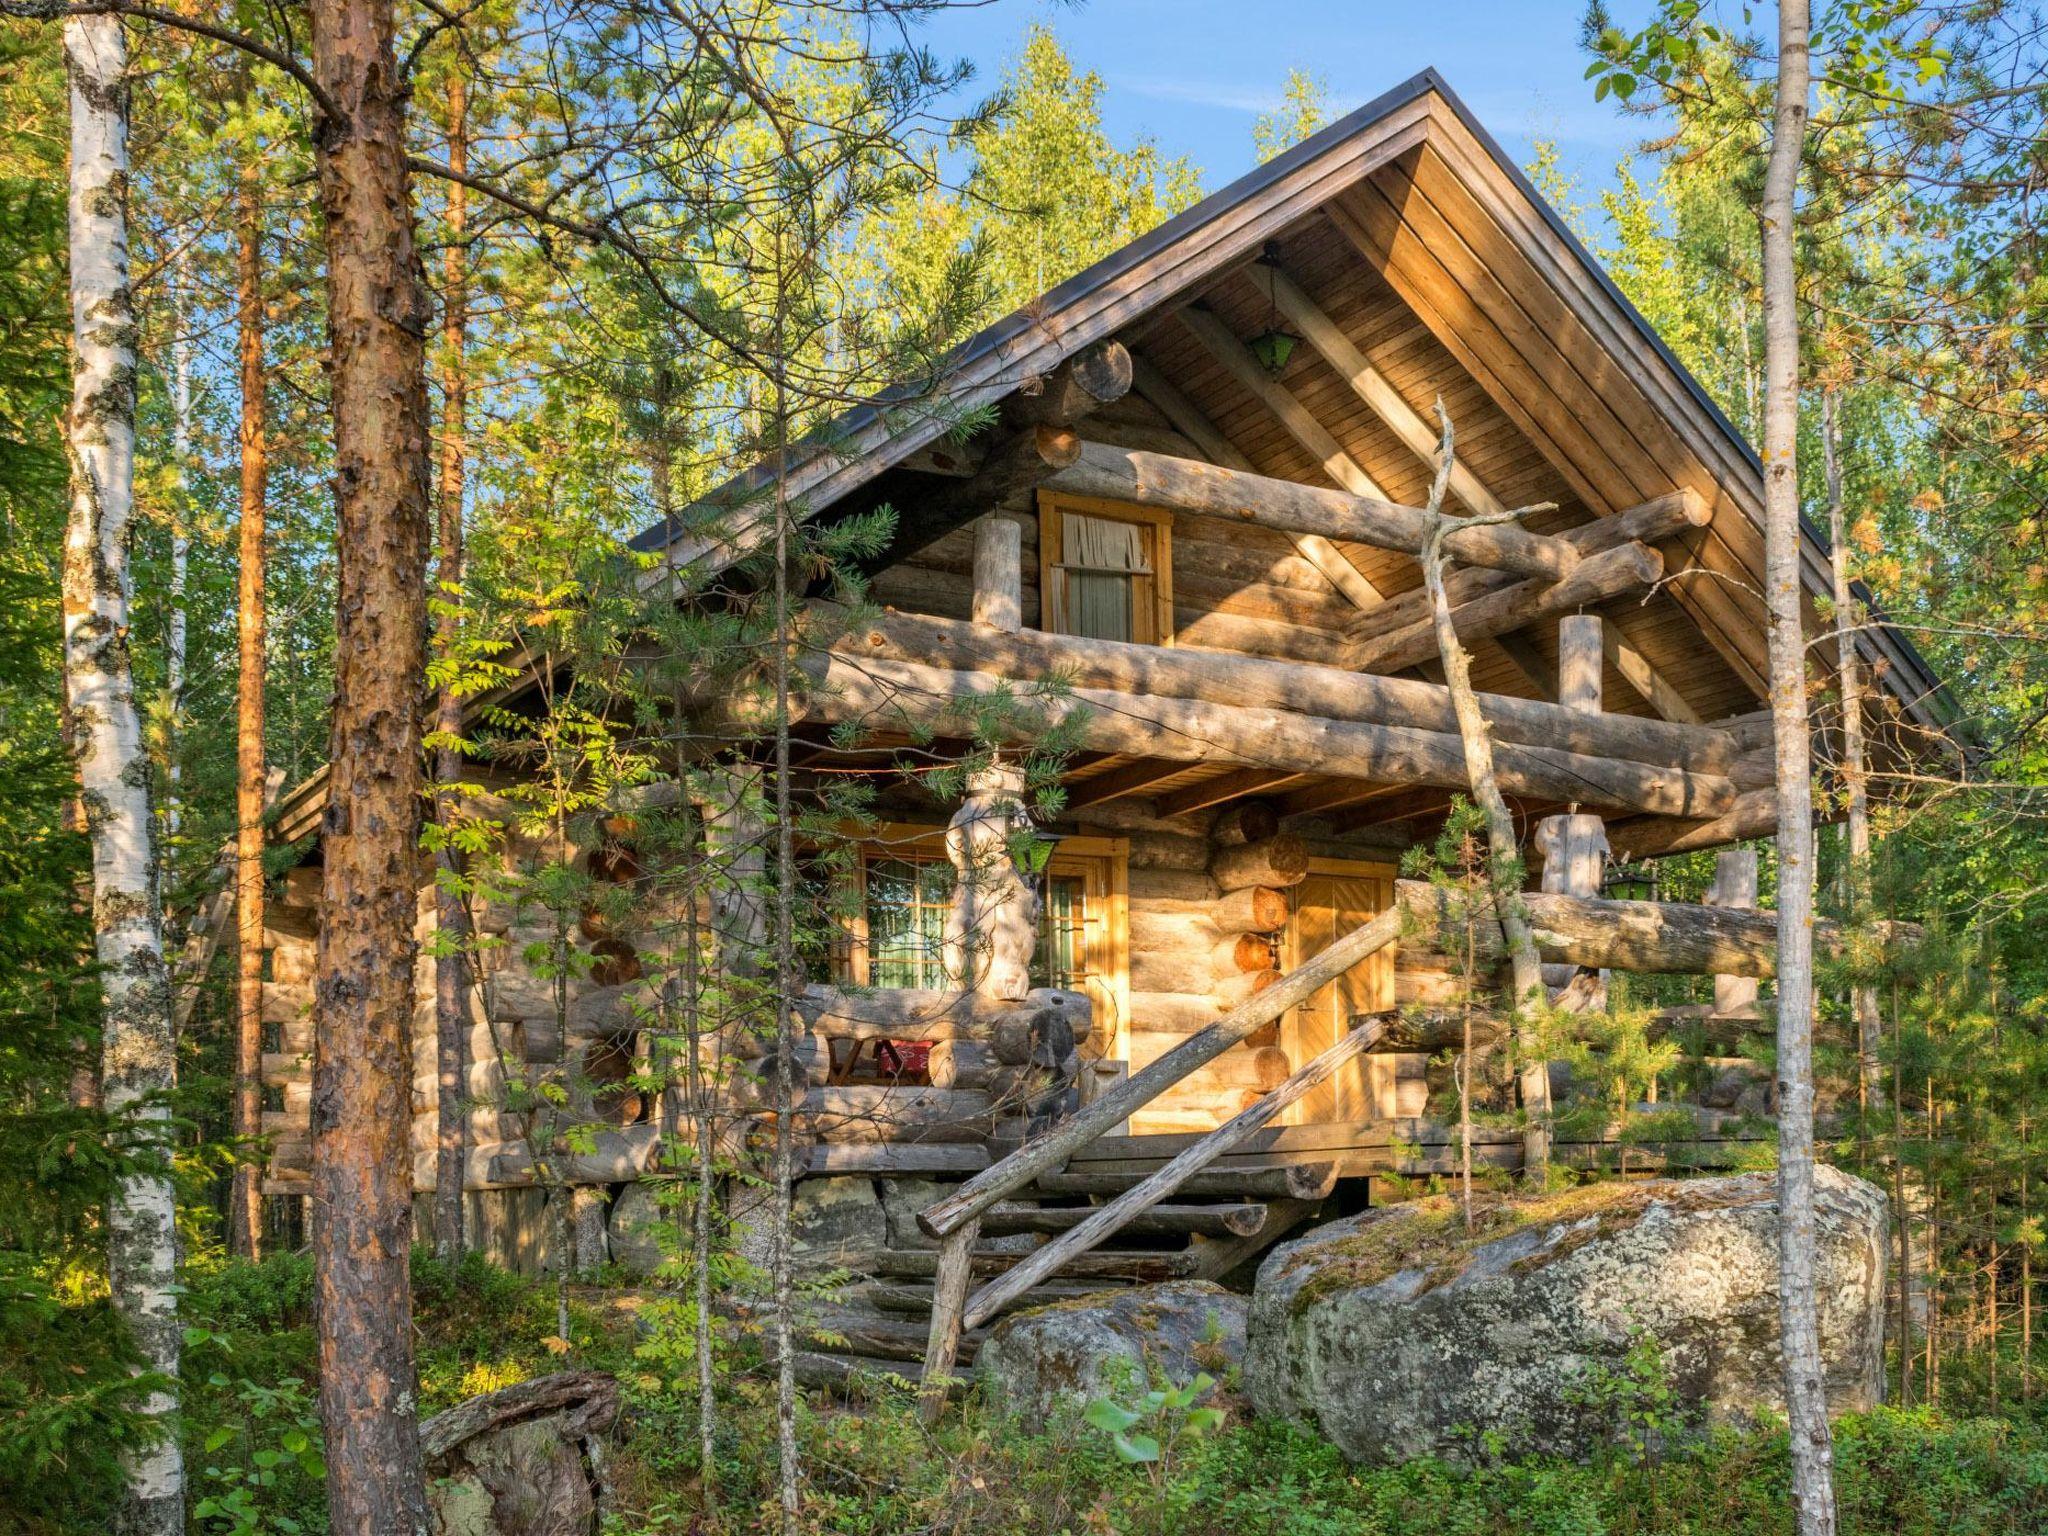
{"x": 1610, "y": 574}
{"x": 1233, "y": 990}
{"x": 1307, "y": 1178}
{"x": 877, "y": 693}
{"x": 1651, "y": 522}
{"x": 1651, "y": 936}
{"x": 1179, "y": 1013}
{"x": 1249, "y": 821}
{"x": 1257, "y": 909}
{"x": 878, "y": 1113}
{"x": 893, "y": 1159}
{"x": 1754, "y": 814}
{"x": 1159, "y": 1221}
{"x": 910, "y": 1014}
{"x": 1242, "y": 952}
{"x": 1328, "y": 692}
{"x": 616, "y": 1157}
{"x": 923, "y": 1263}
{"x": 917, "y": 1299}
{"x": 1277, "y": 861}
{"x": 1212, "y": 490}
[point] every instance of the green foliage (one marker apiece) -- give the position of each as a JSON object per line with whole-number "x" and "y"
{"x": 1147, "y": 1432}
{"x": 261, "y": 1471}
{"x": 68, "y": 1402}
{"x": 875, "y": 1472}
{"x": 1304, "y": 108}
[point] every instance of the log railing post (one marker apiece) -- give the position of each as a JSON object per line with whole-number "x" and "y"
{"x": 999, "y": 573}
{"x": 949, "y": 1302}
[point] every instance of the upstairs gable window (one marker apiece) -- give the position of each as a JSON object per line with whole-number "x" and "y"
{"x": 1106, "y": 570}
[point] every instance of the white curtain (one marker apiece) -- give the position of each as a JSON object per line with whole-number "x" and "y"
{"x": 1101, "y": 555}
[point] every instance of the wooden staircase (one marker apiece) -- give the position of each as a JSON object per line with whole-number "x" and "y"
{"x": 881, "y": 1326}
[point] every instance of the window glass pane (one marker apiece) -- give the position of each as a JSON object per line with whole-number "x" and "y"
{"x": 1099, "y": 606}
{"x": 907, "y": 903}
{"x": 1062, "y": 957}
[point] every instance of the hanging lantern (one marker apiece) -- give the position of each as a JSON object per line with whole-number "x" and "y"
{"x": 1630, "y": 882}
{"x": 1275, "y": 344}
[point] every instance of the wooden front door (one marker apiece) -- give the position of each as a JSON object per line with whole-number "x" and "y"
{"x": 1338, "y": 896}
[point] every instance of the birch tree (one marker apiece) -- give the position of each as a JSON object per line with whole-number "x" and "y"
{"x": 138, "y": 1051}
{"x": 1806, "y": 1404}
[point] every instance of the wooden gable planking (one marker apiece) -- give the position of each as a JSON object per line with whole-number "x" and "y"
{"x": 1420, "y": 367}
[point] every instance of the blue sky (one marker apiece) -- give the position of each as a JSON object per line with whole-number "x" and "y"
{"x": 1195, "y": 74}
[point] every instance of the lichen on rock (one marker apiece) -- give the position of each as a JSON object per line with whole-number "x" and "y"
{"x": 1394, "y": 1333}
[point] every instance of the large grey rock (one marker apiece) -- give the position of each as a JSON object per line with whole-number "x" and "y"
{"x": 1395, "y": 1336}
{"x": 1042, "y": 1364}
{"x": 634, "y": 1229}
{"x": 830, "y": 1219}
{"x": 902, "y": 1199}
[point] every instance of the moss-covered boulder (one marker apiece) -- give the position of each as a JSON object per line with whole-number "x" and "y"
{"x": 1559, "y": 1324}
{"x": 1055, "y": 1360}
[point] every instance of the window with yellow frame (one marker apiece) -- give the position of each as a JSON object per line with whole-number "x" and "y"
{"x": 1105, "y": 569}
{"x": 895, "y": 936}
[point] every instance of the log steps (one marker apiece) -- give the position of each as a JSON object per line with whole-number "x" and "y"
{"x": 879, "y": 1325}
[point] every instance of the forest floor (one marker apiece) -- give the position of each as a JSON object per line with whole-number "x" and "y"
{"x": 872, "y": 1470}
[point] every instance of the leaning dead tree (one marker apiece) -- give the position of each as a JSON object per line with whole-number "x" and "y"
{"x": 1526, "y": 967}
{"x": 138, "y": 1044}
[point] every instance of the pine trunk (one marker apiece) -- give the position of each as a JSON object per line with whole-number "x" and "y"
{"x": 451, "y": 964}
{"x": 1805, "y": 1385}
{"x": 362, "y": 1069}
{"x": 245, "y": 1225}
{"x": 1855, "y": 774}
{"x": 138, "y": 1049}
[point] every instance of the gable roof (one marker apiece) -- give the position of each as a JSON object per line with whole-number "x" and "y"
{"x": 1613, "y": 361}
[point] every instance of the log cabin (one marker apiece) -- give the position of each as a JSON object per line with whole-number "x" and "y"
{"x": 1200, "y": 499}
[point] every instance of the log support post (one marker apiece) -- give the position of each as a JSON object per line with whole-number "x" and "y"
{"x": 1574, "y": 846}
{"x": 992, "y": 930}
{"x": 1734, "y": 888}
{"x": 999, "y": 573}
{"x": 735, "y": 844}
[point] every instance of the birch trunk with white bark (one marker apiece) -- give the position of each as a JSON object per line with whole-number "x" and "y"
{"x": 1805, "y": 1388}
{"x": 138, "y": 1050}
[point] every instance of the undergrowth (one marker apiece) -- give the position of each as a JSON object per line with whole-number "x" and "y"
{"x": 872, "y": 1469}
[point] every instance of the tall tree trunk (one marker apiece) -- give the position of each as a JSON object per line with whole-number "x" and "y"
{"x": 1855, "y": 775}
{"x": 245, "y": 1211}
{"x": 175, "y": 668}
{"x": 138, "y": 1051}
{"x": 787, "y": 978}
{"x": 1805, "y": 1387}
{"x": 451, "y": 964}
{"x": 362, "y": 1001}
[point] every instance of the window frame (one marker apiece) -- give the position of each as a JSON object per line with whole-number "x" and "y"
{"x": 1103, "y": 863}
{"x": 1158, "y": 529}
